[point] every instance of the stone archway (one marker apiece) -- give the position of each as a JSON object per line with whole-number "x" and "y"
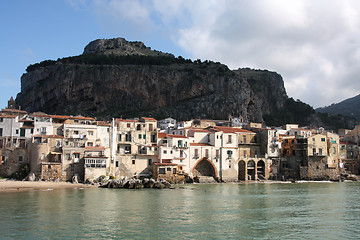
{"x": 204, "y": 167}
{"x": 242, "y": 170}
{"x": 251, "y": 170}
{"x": 260, "y": 169}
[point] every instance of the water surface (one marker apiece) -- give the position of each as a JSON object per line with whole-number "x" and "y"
{"x": 213, "y": 211}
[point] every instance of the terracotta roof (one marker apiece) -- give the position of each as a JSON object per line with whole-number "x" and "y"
{"x": 229, "y": 129}
{"x": 200, "y": 144}
{"x": 162, "y": 135}
{"x": 60, "y": 117}
{"x": 83, "y": 118}
{"x": 165, "y": 164}
{"x": 13, "y": 110}
{"x": 28, "y": 127}
{"x": 176, "y": 136}
{"x": 8, "y": 116}
{"x": 49, "y": 136}
{"x": 149, "y": 119}
{"x": 94, "y": 149}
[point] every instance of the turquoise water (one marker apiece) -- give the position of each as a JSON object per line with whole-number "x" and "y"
{"x": 214, "y": 211}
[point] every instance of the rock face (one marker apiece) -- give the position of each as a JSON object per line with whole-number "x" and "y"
{"x": 119, "y": 46}
{"x": 180, "y": 89}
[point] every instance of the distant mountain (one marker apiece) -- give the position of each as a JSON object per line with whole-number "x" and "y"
{"x": 349, "y": 107}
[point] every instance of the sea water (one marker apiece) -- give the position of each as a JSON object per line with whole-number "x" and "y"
{"x": 321, "y": 210}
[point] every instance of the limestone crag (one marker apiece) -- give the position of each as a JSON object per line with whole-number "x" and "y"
{"x": 182, "y": 90}
{"x": 119, "y": 46}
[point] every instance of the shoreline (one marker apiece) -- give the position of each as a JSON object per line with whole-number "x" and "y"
{"x": 23, "y": 186}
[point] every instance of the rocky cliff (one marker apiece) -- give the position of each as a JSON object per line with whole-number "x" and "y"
{"x": 114, "y": 78}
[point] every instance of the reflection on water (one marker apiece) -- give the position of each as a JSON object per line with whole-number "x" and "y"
{"x": 214, "y": 211}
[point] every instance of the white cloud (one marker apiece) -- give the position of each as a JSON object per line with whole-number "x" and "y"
{"x": 314, "y": 45}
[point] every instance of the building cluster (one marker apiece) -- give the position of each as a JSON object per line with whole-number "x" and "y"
{"x": 60, "y": 147}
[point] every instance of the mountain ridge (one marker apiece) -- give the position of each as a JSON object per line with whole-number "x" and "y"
{"x": 114, "y": 78}
{"x": 348, "y": 107}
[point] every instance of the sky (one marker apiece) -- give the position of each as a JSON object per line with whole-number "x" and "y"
{"x": 314, "y": 45}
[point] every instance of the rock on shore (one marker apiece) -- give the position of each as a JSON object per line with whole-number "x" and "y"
{"x": 135, "y": 183}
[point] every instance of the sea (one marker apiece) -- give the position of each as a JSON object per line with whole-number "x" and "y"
{"x": 304, "y": 210}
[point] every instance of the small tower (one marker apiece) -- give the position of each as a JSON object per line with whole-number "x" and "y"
{"x": 11, "y": 103}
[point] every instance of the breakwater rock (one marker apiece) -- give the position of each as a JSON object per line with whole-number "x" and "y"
{"x": 135, "y": 183}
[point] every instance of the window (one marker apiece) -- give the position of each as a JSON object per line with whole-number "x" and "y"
{"x": 244, "y": 139}
{"x": 116, "y": 163}
{"x": 119, "y": 137}
{"x": 90, "y": 144}
{"x": 174, "y": 170}
{"x": 181, "y": 153}
{"x": 161, "y": 170}
{"x": 217, "y": 153}
{"x": 168, "y": 169}
{"x": 196, "y": 153}
{"x": 1, "y": 119}
{"x": 21, "y": 158}
{"x": 128, "y": 125}
{"x": 76, "y": 157}
{"x": 323, "y": 139}
{"x": 32, "y": 131}
{"x": 67, "y": 155}
{"x": 133, "y": 162}
{"x": 180, "y": 143}
{"x": 320, "y": 151}
{"x": 22, "y": 132}
{"x": 144, "y": 136}
{"x": 149, "y": 162}
{"x": 139, "y": 136}
{"x": 165, "y": 151}
{"x": 314, "y": 151}
{"x": 91, "y": 133}
{"x": 138, "y": 127}
{"x": 150, "y": 127}
{"x": 207, "y": 153}
{"x": 127, "y": 149}
{"x": 17, "y": 131}
{"x": 128, "y": 137}
{"x": 1, "y": 131}
{"x": 229, "y": 139}
{"x": 229, "y": 153}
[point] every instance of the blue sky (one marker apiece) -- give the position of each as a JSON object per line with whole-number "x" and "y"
{"x": 314, "y": 45}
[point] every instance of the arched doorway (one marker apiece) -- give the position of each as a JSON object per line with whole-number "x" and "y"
{"x": 242, "y": 170}
{"x": 251, "y": 170}
{"x": 261, "y": 169}
{"x": 204, "y": 167}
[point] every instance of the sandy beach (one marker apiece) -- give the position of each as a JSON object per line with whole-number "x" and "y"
{"x": 17, "y": 186}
